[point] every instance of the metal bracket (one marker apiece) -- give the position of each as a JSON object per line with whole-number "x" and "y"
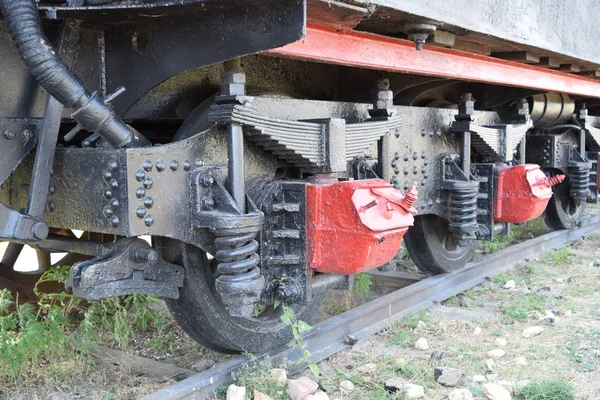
{"x": 130, "y": 267}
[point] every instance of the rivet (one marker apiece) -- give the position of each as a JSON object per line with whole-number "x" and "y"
{"x": 397, "y": 156}
{"x": 396, "y": 170}
{"x": 148, "y": 202}
{"x": 140, "y": 175}
{"x": 9, "y": 134}
{"x": 422, "y": 183}
{"x": 187, "y": 164}
{"x": 423, "y": 133}
{"x": 107, "y": 175}
{"x": 406, "y": 171}
{"x": 425, "y": 175}
{"x": 149, "y": 220}
{"x": 415, "y": 170}
{"x": 140, "y": 212}
{"x": 397, "y": 132}
{"x": 107, "y": 211}
{"x": 406, "y": 185}
{"x": 423, "y": 205}
{"x": 107, "y": 194}
{"x": 114, "y": 184}
{"x": 51, "y": 206}
{"x": 405, "y": 158}
{"x": 430, "y": 202}
{"x": 140, "y": 192}
{"x": 174, "y": 165}
{"x": 147, "y": 165}
{"x": 114, "y": 203}
{"x": 394, "y": 178}
{"x": 51, "y": 189}
{"x": 160, "y": 166}
{"x": 394, "y": 163}
{"x": 115, "y": 221}
{"x": 113, "y": 165}
{"x": 431, "y": 133}
{"x": 148, "y": 182}
{"x": 423, "y": 155}
{"x": 423, "y": 170}
{"x": 199, "y": 163}
{"x": 415, "y": 155}
{"x": 425, "y": 162}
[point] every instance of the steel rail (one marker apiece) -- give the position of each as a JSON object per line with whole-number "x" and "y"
{"x": 327, "y": 337}
{"x": 367, "y": 50}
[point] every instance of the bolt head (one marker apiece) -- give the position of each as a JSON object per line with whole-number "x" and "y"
{"x": 9, "y": 134}
{"x": 40, "y": 230}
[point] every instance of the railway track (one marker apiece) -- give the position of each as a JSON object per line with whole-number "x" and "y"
{"x": 328, "y": 337}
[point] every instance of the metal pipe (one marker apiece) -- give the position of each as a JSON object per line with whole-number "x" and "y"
{"x": 465, "y": 153}
{"x": 235, "y": 153}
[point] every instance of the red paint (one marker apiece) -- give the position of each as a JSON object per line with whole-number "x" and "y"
{"x": 367, "y": 50}
{"x": 523, "y": 193}
{"x": 354, "y": 226}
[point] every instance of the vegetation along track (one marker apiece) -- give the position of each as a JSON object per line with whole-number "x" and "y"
{"x": 328, "y": 337}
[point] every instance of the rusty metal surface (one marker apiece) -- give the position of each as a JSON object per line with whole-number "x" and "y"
{"x": 327, "y": 337}
{"x": 366, "y": 50}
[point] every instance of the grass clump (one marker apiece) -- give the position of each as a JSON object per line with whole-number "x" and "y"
{"x": 561, "y": 257}
{"x": 520, "y": 308}
{"x": 547, "y": 390}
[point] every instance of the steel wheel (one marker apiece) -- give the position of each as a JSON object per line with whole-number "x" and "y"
{"x": 563, "y": 212}
{"x": 432, "y": 247}
{"x": 202, "y": 315}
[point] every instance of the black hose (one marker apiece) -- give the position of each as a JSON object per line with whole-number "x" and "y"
{"x": 51, "y": 72}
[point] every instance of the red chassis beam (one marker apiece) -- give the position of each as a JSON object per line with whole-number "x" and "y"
{"x": 365, "y": 50}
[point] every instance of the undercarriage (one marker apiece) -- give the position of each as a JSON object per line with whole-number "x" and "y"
{"x": 272, "y": 177}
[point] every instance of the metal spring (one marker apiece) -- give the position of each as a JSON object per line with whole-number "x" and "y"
{"x": 239, "y": 282}
{"x": 463, "y": 209}
{"x": 580, "y": 182}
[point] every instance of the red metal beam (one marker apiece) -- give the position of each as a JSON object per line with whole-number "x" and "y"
{"x": 365, "y": 50}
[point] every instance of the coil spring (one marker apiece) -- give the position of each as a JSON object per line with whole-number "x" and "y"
{"x": 463, "y": 210}
{"x": 240, "y": 282}
{"x": 580, "y": 182}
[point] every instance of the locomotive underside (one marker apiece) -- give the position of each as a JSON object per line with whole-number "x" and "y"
{"x": 270, "y": 158}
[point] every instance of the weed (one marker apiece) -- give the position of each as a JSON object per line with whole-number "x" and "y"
{"x": 362, "y": 287}
{"x": 547, "y": 390}
{"x": 561, "y": 257}
{"x": 499, "y": 332}
{"x": 520, "y": 307}
{"x": 583, "y": 350}
{"x": 298, "y": 328}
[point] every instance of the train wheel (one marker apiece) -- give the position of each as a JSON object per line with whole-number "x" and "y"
{"x": 433, "y": 248}
{"x": 563, "y": 211}
{"x": 202, "y": 315}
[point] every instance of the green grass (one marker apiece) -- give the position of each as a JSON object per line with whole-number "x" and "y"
{"x": 518, "y": 233}
{"x": 547, "y": 390}
{"x": 362, "y": 287}
{"x": 561, "y": 257}
{"x": 521, "y": 307}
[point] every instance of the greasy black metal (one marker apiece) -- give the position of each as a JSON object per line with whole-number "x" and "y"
{"x": 15, "y": 226}
{"x": 462, "y": 204}
{"x": 17, "y": 139}
{"x": 44, "y": 158}
{"x": 486, "y": 196}
{"x": 46, "y": 65}
{"x": 593, "y": 185}
{"x": 327, "y": 337}
{"x": 283, "y": 242}
{"x": 130, "y": 267}
{"x": 239, "y": 280}
{"x": 65, "y": 244}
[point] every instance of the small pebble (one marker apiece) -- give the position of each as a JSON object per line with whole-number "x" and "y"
{"x": 490, "y": 364}
{"x": 203, "y": 365}
{"x": 460, "y": 394}
{"x": 521, "y": 361}
{"x": 422, "y": 344}
{"x": 347, "y": 386}
{"x": 279, "y": 375}
{"x": 350, "y": 340}
{"x": 436, "y": 356}
{"x": 478, "y": 378}
{"x": 568, "y": 313}
{"x": 510, "y": 284}
{"x": 369, "y": 367}
{"x": 301, "y": 388}
{"x": 317, "y": 396}
{"x": 532, "y": 331}
{"x": 501, "y": 342}
{"x": 506, "y": 385}
{"x": 412, "y": 391}
{"x": 493, "y": 391}
{"x": 394, "y": 384}
{"x": 477, "y": 331}
{"x": 236, "y": 392}
{"x": 496, "y": 353}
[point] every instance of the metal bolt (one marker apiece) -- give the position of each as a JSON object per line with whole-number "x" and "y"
{"x": 107, "y": 175}
{"x": 113, "y": 165}
{"x": 160, "y": 166}
{"x": 174, "y": 165}
{"x": 397, "y": 156}
{"x": 145, "y": 255}
{"x": 148, "y": 202}
{"x": 114, "y": 203}
{"x": 51, "y": 206}
{"x": 51, "y": 189}
{"x": 207, "y": 203}
{"x": 199, "y": 163}
{"x": 140, "y": 192}
{"x": 187, "y": 165}
{"x": 26, "y": 135}
{"x": 115, "y": 221}
{"x": 9, "y": 134}
{"x": 114, "y": 184}
{"x": 140, "y": 175}
{"x": 140, "y": 212}
{"x": 107, "y": 211}
{"x": 107, "y": 194}
{"x": 207, "y": 180}
{"x": 149, "y": 220}
{"x": 147, "y": 165}
{"x": 415, "y": 155}
{"x": 148, "y": 182}
{"x": 40, "y": 230}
